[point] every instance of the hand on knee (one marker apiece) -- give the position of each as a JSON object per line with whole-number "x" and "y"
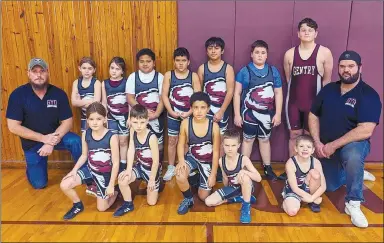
{"x": 181, "y": 177}
{"x": 122, "y": 182}
{"x": 318, "y": 200}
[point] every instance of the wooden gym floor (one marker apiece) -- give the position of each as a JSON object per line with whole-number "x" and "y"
{"x": 35, "y": 216}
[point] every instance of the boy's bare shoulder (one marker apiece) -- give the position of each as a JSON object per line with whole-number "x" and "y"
{"x": 153, "y": 138}
{"x": 167, "y": 74}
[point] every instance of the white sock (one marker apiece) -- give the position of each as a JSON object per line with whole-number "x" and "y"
{"x": 123, "y": 161}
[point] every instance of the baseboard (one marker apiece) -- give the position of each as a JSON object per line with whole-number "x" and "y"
{"x": 67, "y": 165}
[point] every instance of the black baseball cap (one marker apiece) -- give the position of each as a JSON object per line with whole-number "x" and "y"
{"x": 350, "y": 55}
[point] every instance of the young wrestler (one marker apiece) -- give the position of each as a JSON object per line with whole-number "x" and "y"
{"x": 86, "y": 90}
{"x": 306, "y": 180}
{"x": 307, "y": 68}
{"x": 100, "y": 147}
{"x": 203, "y": 138}
{"x": 238, "y": 174}
{"x": 258, "y": 102}
{"x": 142, "y": 142}
{"x": 146, "y": 91}
{"x": 178, "y": 86}
{"x": 218, "y": 80}
{"x": 113, "y": 97}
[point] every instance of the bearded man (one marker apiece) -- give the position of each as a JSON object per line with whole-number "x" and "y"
{"x": 342, "y": 119}
{"x": 39, "y": 113}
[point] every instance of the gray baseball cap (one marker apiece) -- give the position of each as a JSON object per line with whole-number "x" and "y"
{"x": 37, "y": 62}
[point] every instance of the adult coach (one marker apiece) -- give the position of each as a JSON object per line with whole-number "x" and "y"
{"x": 342, "y": 119}
{"x": 39, "y": 113}
{"x": 307, "y": 68}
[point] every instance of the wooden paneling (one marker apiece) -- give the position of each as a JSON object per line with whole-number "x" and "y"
{"x": 63, "y": 32}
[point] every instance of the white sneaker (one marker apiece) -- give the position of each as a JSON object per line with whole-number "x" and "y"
{"x": 357, "y": 217}
{"x": 170, "y": 172}
{"x": 368, "y": 176}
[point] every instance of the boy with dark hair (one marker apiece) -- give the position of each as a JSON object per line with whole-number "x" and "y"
{"x": 142, "y": 142}
{"x": 178, "y": 86}
{"x": 218, "y": 81}
{"x": 258, "y": 102}
{"x": 145, "y": 86}
{"x": 203, "y": 138}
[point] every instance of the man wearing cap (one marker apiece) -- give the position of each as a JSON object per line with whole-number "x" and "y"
{"x": 342, "y": 119}
{"x": 39, "y": 113}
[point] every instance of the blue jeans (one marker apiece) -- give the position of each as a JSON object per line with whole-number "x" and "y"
{"x": 37, "y": 171}
{"x": 346, "y": 167}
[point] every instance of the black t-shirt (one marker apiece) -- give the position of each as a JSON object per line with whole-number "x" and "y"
{"x": 339, "y": 114}
{"x": 39, "y": 115}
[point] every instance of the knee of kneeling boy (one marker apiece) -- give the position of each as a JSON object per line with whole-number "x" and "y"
{"x": 314, "y": 174}
{"x": 246, "y": 181}
{"x": 101, "y": 208}
{"x": 209, "y": 202}
{"x": 151, "y": 202}
{"x": 292, "y": 211}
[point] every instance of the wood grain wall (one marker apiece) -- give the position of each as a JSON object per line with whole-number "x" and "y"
{"x": 62, "y": 32}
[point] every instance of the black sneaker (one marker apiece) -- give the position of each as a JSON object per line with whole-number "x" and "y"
{"x": 268, "y": 172}
{"x": 314, "y": 207}
{"x": 185, "y": 205}
{"x": 75, "y": 210}
{"x": 283, "y": 176}
{"x": 125, "y": 208}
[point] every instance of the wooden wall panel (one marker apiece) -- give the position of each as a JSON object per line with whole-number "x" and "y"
{"x": 62, "y": 32}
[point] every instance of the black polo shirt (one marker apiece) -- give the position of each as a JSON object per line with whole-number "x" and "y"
{"x": 39, "y": 115}
{"x": 339, "y": 114}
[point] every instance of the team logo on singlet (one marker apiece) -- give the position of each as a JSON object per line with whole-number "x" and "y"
{"x": 180, "y": 95}
{"x": 260, "y": 97}
{"x": 351, "y": 102}
{"x": 149, "y": 98}
{"x": 144, "y": 156}
{"x": 202, "y": 152}
{"x": 100, "y": 160}
{"x": 216, "y": 89}
{"x": 117, "y": 103}
{"x": 232, "y": 179}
